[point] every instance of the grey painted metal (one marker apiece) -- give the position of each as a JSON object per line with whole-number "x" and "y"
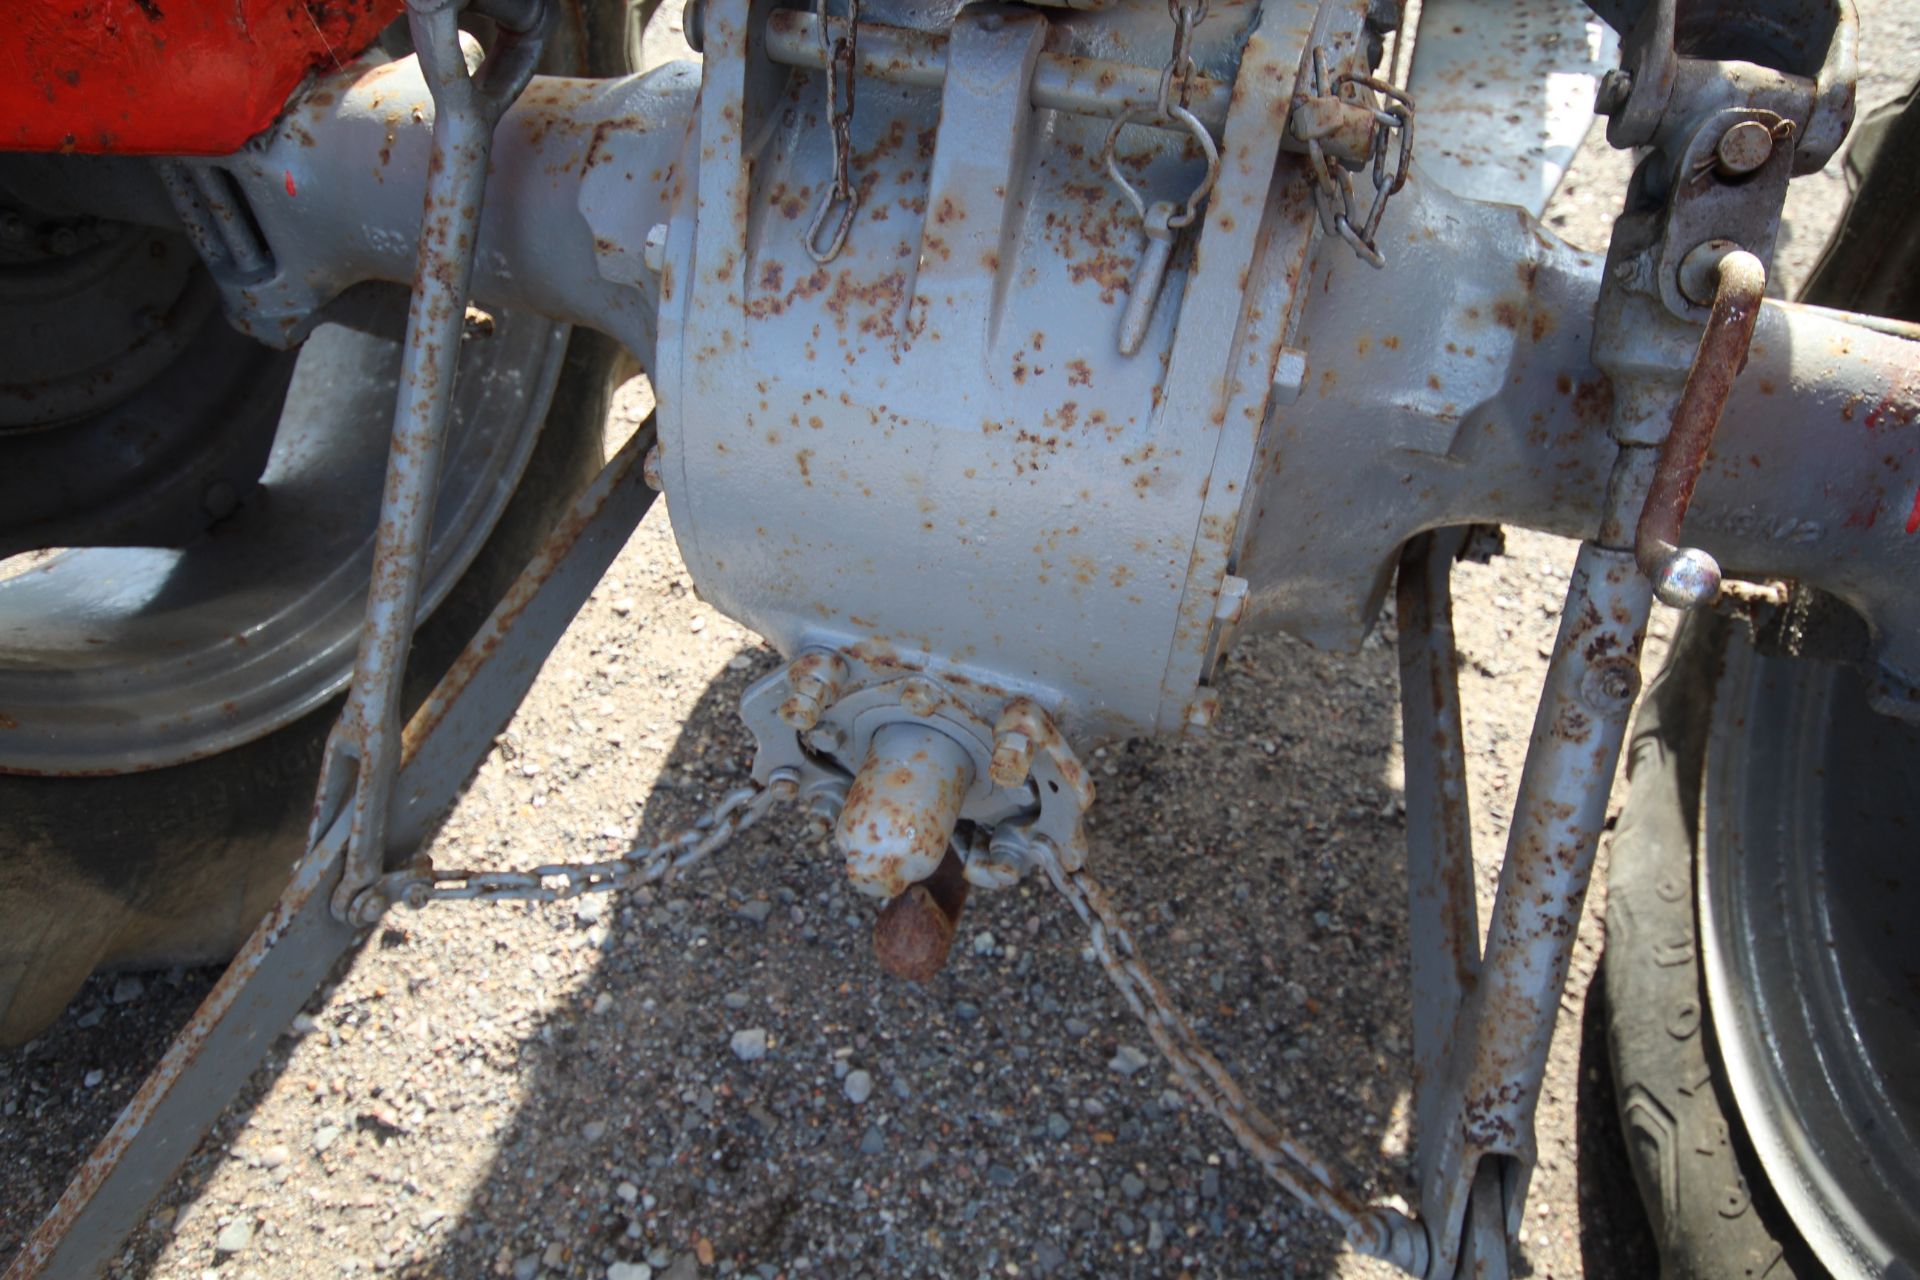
{"x": 581, "y": 169}
{"x": 298, "y": 942}
{"x": 1443, "y": 931}
{"x": 1031, "y": 437}
{"x": 902, "y": 809}
{"x": 363, "y": 751}
{"x": 1806, "y": 903}
{"x": 1061, "y": 81}
{"x": 1505, "y": 1027}
{"x": 225, "y": 638}
{"x": 1505, "y": 90}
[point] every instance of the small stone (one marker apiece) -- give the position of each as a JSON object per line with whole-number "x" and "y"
{"x": 858, "y": 1087}
{"x": 526, "y": 1267}
{"x": 594, "y": 1130}
{"x": 1000, "y": 1176}
{"x": 275, "y": 1156}
{"x": 873, "y": 1142}
{"x": 602, "y": 1002}
{"x": 629, "y": 1271}
{"x": 1058, "y": 1126}
{"x": 325, "y": 1136}
{"x": 302, "y": 1023}
{"x": 756, "y": 910}
{"x": 93, "y": 1078}
{"x": 1210, "y": 1184}
{"x": 1127, "y": 1060}
{"x": 127, "y": 989}
{"x": 1077, "y": 1028}
{"x": 1049, "y": 1257}
{"x": 750, "y": 1045}
{"x": 623, "y": 606}
{"x": 735, "y": 1000}
{"x": 983, "y": 943}
{"x": 627, "y": 1192}
{"x": 686, "y": 1266}
{"x": 966, "y": 1011}
{"x": 234, "y": 1237}
{"x": 1133, "y": 1186}
{"x": 555, "y": 1256}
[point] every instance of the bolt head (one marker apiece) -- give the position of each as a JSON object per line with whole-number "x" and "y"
{"x": 827, "y": 739}
{"x": 1743, "y": 148}
{"x": 1613, "y": 91}
{"x": 801, "y": 711}
{"x": 920, "y": 697}
{"x": 1012, "y": 759}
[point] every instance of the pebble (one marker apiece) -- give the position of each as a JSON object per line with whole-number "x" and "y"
{"x": 1133, "y": 1186}
{"x": 873, "y": 1142}
{"x": 983, "y": 943}
{"x": 629, "y": 1271}
{"x": 127, "y": 989}
{"x": 858, "y": 1087}
{"x": 627, "y": 1192}
{"x": 1058, "y": 1126}
{"x": 275, "y": 1156}
{"x": 93, "y": 1078}
{"x": 1127, "y": 1060}
{"x": 325, "y": 1136}
{"x": 234, "y": 1237}
{"x": 1000, "y": 1176}
{"x": 735, "y": 1000}
{"x": 750, "y": 1045}
{"x": 594, "y": 1130}
{"x": 756, "y": 910}
{"x": 686, "y": 1266}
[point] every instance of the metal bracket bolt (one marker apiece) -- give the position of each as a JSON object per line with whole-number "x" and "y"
{"x": 816, "y": 679}
{"x": 1613, "y": 91}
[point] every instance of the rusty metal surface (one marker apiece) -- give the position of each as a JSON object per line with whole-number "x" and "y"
{"x": 1506, "y": 90}
{"x": 363, "y": 752}
{"x": 901, "y": 810}
{"x": 914, "y": 932}
{"x": 1678, "y": 578}
{"x": 1442, "y": 925}
{"x": 1026, "y": 435}
{"x": 1499, "y": 1054}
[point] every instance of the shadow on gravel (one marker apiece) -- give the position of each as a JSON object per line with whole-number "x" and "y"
{"x": 994, "y": 1130}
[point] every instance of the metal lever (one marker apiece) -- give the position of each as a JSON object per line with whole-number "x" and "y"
{"x": 1687, "y": 577}
{"x": 363, "y": 751}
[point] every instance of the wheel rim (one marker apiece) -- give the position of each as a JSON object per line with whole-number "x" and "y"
{"x": 1807, "y": 898}
{"x": 115, "y": 659}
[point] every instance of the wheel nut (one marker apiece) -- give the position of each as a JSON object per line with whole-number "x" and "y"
{"x": 1743, "y": 148}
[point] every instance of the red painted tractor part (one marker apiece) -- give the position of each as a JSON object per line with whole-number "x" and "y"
{"x": 167, "y": 77}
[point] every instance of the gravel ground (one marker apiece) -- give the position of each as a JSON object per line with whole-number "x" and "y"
{"x": 716, "y": 1080}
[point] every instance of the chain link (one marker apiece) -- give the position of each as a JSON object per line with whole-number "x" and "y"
{"x": 736, "y": 811}
{"x": 1333, "y": 185}
{"x": 1369, "y": 1229}
{"x": 838, "y": 55}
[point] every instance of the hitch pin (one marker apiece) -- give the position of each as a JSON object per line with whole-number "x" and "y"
{"x": 1733, "y": 281}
